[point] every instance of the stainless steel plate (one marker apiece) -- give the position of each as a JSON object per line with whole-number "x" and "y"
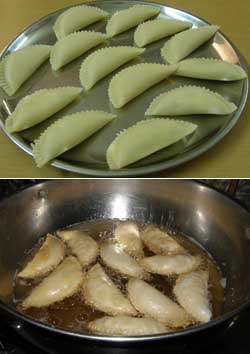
{"x": 89, "y": 157}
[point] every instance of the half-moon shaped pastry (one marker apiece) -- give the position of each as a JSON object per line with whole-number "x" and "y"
{"x": 170, "y": 264}
{"x": 210, "y": 69}
{"x": 101, "y": 293}
{"x": 49, "y": 255}
{"x": 154, "y": 30}
{"x": 76, "y": 18}
{"x": 62, "y": 283}
{"x": 184, "y": 43}
{"x": 72, "y": 46}
{"x": 118, "y": 260}
{"x": 17, "y": 67}
{"x": 124, "y": 20}
{"x": 127, "y": 234}
{"x": 152, "y": 303}
{"x": 84, "y": 247}
{"x": 40, "y": 105}
{"x": 189, "y": 100}
{"x": 134, "y": 80}
{"x": 160, "y": 242}
{"x": 103, "y": 61}
{"x": 126, "y": 326}
{"x": 191, "y": 291}
{"x": 145, "y": 138}
{"x": 68, "y": 132}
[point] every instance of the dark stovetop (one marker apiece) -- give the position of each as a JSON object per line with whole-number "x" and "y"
{"x": 235, "y": 341}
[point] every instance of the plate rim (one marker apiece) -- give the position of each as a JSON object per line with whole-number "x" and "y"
{"x": 152, "y": 168}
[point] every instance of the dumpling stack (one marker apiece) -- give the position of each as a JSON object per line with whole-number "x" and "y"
{"x": 125, "y": 87}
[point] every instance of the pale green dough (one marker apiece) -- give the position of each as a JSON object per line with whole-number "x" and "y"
{"x": 66, "y": 133}
{"x": 103, "y": 61}
{"x": 210, "y": 69}
{"x": 134, "y": 80}
{"x": 151, "y": 31}
{"x": 189, "y": 100}
{"x": 145, "y": 138}
{"x": 76, "y": 18}
{"x": 123, "y": 20}
{"x": 17, "y": 67}
{"x": 184, "y": 43}
{"x": 42, "y": 104}
{"x": 74, "y": 45}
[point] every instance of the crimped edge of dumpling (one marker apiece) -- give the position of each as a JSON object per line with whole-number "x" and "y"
{"x": 36, "y": 93}
{"x": 166, "y": 45}
{"x": 125, "y": 132}
{"x": 158, "y": 20}
{"x": 71, "y": 36}
{"x": 86, "y": 294}
{"x": 73, "y": 290}
{"x": 203, "y": 273}
{"x": 66, "y": 242}
{"x": 143, "y": 275}
{"x": 187, "y": 87}
{"x": 3, "y": 82}
{"x": 132, "y": 67}
{"x": 60, "y": 18}
{"x": 215, "y": 60}
{"x": 100, "y": 51}
{"x": 37, "y": 143}
{"x": 23, "y": 273}
{"x": 129, "y": 9}
{"x": 159, "y": 328}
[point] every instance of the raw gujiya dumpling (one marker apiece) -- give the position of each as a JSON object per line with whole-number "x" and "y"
{"x": 184, "y": 43}
{"x": 188, "y": 100}
{"x": 191, "y": 291}
{"x": 145, "y": 138}
{"x": 17, "y": 67}
{"x": 77, "y": 18}
{"x": 210, "y": 69}
{"x": 127, "y": 234}
{"x": 72, "y": 46}
{"x": 49, "y": 255}
{"x": 152, "y": 303}
{"x": 154, "y": 30}
{"x": 68, "y": 132}
{"x": 170, "y": 264}
{"x": 84, "y": 247}
{"x": 103, "y": 61}
{"x": 62, "y": 283}
{"x": 40, "y": 105}
{"x": 102, "y": 294}
{"x": 126, "y": 326}
{"x": 134, "y": 80}
{"x": 118, "y": 260}
{"x": 124, "y": 20}
{"x": 160, "y": 242}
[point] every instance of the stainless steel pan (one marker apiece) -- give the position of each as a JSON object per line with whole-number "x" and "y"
{"x": 219, "y": 224}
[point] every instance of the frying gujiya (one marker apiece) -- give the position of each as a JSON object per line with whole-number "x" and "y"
{"x": 106, "y": 293}
{"x": 117, "y": 259}
{"x": 84, "y": 247}
{"x": 46, "y": 259}
{"x": 63, "y": 282}
{"x": 101, "y": 293}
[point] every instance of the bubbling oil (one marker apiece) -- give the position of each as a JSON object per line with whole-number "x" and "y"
{"x": 74, "y": 314}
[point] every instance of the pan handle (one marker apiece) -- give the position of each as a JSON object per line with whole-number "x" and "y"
{"x": 232, "y": 187}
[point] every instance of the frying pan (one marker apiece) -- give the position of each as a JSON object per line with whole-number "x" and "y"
{"x": 219, "y": 224}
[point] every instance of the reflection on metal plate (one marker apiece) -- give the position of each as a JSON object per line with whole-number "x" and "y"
{"x": 89, "y": 157}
